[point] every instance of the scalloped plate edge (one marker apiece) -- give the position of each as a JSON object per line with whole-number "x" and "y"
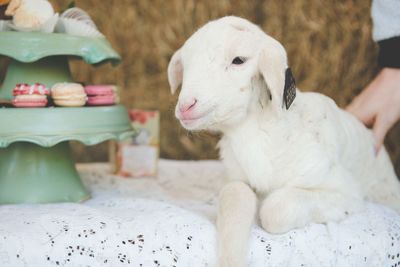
{"x": 49, "y": 141}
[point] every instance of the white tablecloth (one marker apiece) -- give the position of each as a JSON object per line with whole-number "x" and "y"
{"x": 170, "y": 221}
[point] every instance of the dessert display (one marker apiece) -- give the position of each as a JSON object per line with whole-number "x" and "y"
{"x": 39, "y": 16}
{"x": 26, "y": 95}
{"x": 65, "y": 94}
{"x": 101, "y": 95}
{"x": 31, "y": 15}
{"x": 38, "y": 61}
{"x": 76, "y": 21}
{"x": 68, "y": 95}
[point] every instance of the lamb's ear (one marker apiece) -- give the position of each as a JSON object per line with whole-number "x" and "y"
{"x": 175, "y": 71}
{"x": 278, "y": 77}
{"x": 12, "y": 7}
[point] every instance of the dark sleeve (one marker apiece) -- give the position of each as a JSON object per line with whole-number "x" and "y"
{"x": 389, "y": 52}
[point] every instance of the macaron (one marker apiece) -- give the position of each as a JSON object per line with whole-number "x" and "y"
{"x": 30, "y": 96}
{"x": 101, "y": 95}
{"x": 68, "y": 95}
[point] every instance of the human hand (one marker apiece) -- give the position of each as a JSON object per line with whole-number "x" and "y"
{"x": 378, "y": 105}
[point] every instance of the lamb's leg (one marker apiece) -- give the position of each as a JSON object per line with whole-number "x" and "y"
{"x": 386, "y": 192}
{"x": 237, "y": 208}
{"x": 289, "y": 208}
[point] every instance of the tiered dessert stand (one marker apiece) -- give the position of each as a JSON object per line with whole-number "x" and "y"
{"x": 35, "y": 158}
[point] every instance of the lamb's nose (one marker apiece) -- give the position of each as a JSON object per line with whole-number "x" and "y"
{"x": 187, "y": 106}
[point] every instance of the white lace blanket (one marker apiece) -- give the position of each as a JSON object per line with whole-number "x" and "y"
{"x": 169, "y": 221}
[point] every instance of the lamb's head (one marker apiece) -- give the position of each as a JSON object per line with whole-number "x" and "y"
{"x": 227, "y": 68}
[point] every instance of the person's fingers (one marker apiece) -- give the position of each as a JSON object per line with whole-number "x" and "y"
{"x": 350, "y": 108}
{"x": 381, "y": 127}
{"x": 366, "y": 116}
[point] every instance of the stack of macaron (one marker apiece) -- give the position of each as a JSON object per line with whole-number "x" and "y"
{"x": 34, "y": 95}
{"x": 64, "y": 95}
{"x": 101, "y": 95}
{"x": 68, "y": 95}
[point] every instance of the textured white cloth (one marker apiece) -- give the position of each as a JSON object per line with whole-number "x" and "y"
{"x": 169, "y": 221}
{"x": 386, "y": 19}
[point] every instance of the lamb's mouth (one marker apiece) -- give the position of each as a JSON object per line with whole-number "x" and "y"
{"x": 191, "y": 122}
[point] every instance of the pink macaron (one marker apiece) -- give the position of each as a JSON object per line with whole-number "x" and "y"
{"x": 30, "y": 96}
{"x": 100, "y": 95}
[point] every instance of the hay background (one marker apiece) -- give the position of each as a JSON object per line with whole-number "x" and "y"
{"x": 328, "y": 42}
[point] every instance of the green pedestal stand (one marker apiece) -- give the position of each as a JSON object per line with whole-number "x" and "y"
{"x": 35, "y": 159}
{"x": 31, "y": 173}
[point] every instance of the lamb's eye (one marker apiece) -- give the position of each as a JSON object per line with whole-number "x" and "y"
{"x": 238, "y": 60}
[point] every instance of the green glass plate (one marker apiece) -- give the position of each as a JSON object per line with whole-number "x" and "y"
{"x": 31, "y": 46}
{"x": 49, "y": 126}
{"x": 36, "y": 165}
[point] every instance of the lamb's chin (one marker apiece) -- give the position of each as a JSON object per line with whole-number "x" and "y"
{"x": 194, "y": 124}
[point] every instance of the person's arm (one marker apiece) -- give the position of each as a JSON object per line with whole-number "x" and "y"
{"x": 378, "y": 105}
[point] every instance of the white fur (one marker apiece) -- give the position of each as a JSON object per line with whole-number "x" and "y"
{"x": 311, "y": 163}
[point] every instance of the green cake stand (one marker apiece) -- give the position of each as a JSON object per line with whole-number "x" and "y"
{"x": 36, "y": 165}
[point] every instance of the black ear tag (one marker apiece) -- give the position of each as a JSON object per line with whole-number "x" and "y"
{"x": 289, "y": 91}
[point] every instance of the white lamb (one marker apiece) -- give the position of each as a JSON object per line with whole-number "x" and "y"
{"x": 310, "y": 162}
